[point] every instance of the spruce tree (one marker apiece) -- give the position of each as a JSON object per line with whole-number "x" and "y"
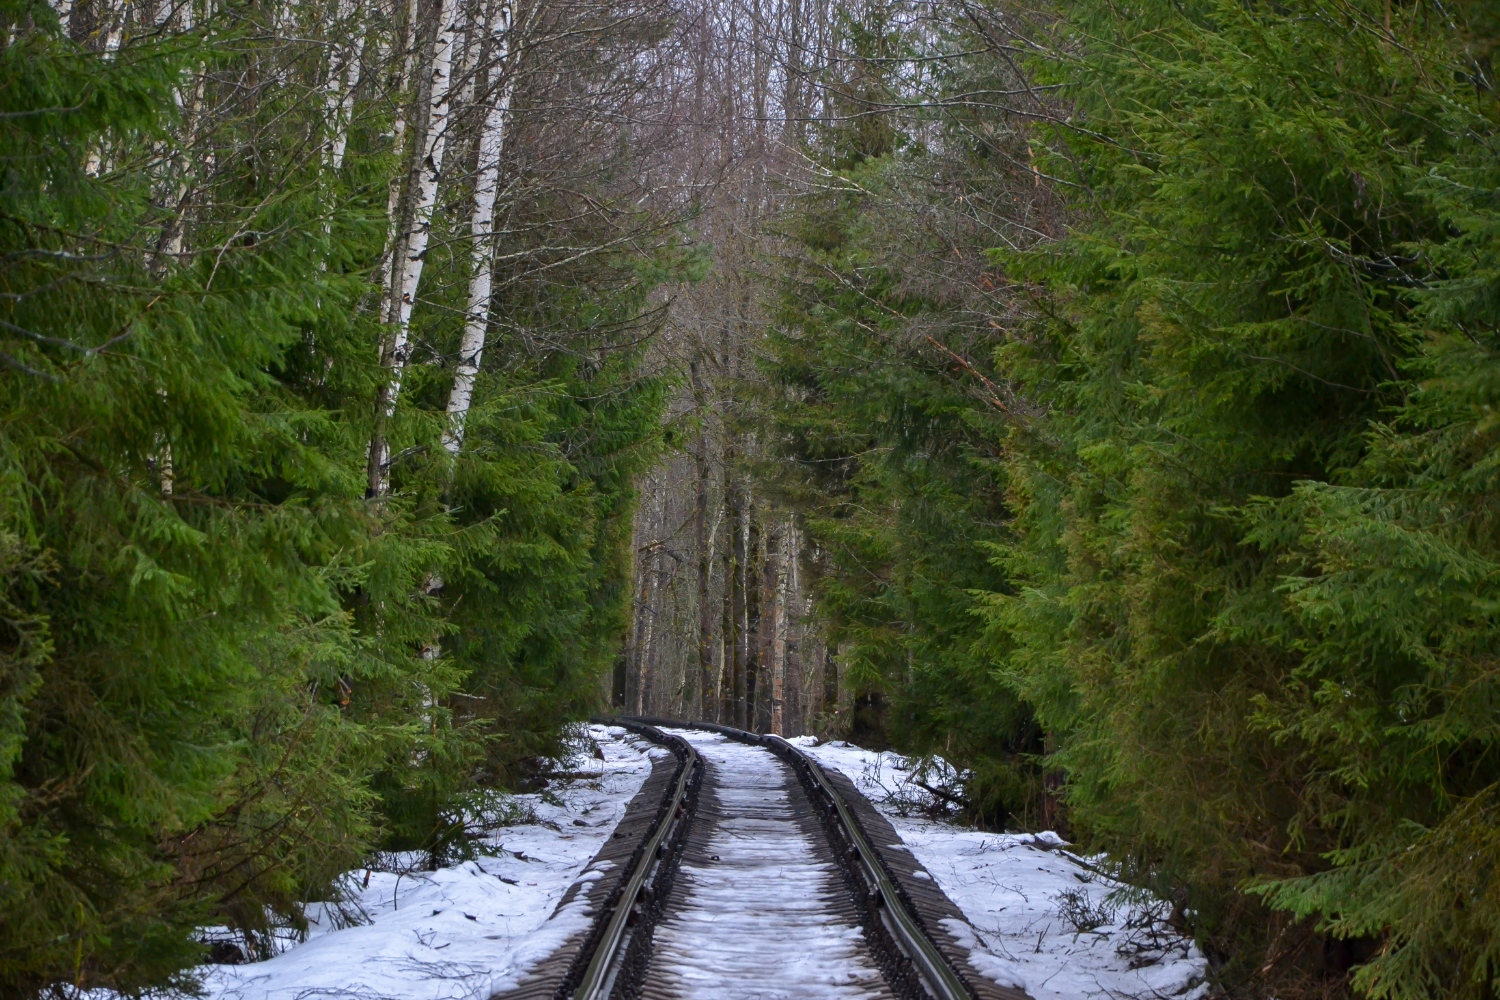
{"x": 217, "y": 687}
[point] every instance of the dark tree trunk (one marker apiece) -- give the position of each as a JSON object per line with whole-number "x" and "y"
{"x": 766, "y": 632}
{"x": 738, "y": 606}
{"x": 753, "y": 615}
{"x": 707, "y": 696}
{"x": 830, "y": 683}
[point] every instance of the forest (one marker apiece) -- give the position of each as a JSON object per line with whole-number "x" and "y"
{"x": 1099, "y": 396}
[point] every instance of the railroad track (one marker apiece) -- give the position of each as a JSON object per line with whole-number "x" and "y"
{"x": 744, "y": 871}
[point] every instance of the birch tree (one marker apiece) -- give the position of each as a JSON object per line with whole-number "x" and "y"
{"x": 345, "y": 66}
{"x": 482, "y": 232}
{"x": 406, "y": 274}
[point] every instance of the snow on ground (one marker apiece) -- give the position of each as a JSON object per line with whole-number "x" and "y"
{"x": 465, "y": 931}
{"x": 1040, "y": 918}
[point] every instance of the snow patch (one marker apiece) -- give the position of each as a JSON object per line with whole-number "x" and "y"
{"x": 1038, "y": 918}
{"x": 469, "y": 930}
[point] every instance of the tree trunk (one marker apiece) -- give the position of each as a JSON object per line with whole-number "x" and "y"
{"x": 396, "y": 202}
{"x": 734, "y": 598}
{"x": 171, "y": 242}
{"x": 793, "y": 702}
{"x": 646, "y": 646}
{"x": 64, "y": 11}
{"x": 724, "y": 648}
{"x": 651, "y": 513}
{"x": 344, "y": 68}
{"x": 491, "y": 141}
{"x": 738, "y": 605}
{"x": 830, "y": 709}
{"x": 482, "y": 231}
{"x": 766, "y": 631}
{"x": 778, "y": 546}
{"x": 753, "y": 605}
{"x": 706, "y": 694}
{"x": 407, "y": 279}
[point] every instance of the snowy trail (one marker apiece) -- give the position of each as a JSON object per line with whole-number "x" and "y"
{"x": 758, "y": 910}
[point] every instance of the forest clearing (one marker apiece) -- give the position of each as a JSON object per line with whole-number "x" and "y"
{"x": 911, "y": 499}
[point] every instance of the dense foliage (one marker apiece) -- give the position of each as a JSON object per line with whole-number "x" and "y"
{"x": 1133, "y": 371}
{"x": 1240, "y": 427}
{"x": 226, "y": 674}
{"x": 888, "y": 411}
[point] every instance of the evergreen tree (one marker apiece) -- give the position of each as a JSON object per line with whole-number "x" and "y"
{"x": 226, "y": 675}
{"x": 1224, "y": 440}
{"x": 1249, "y": 596}
{"x": 889, "y": 417}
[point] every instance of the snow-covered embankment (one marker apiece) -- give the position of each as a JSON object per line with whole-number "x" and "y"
{"x": 1040, "y": 919}
{"x": 467, "y": 931}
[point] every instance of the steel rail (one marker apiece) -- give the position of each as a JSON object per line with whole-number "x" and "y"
{"x": 599, "y": 976}
{"x": 937, "y": 976}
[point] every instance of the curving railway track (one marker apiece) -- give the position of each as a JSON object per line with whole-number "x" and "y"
{"x": 743, "y": 871}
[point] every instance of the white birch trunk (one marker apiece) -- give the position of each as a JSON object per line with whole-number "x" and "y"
{"x": 344, "y": 68}
{"x": 172, "y": 250}
{"x": 190, "y": 112}
{"x": 164, "y": 467}
{"x": 385, "y": 274}
{"x": 408, "y": 278}
{"x": 482, "y": 229}
{"x": 346, "y": 104}
{"x": 115, "y": 37}
{"x": 94, "y": 166}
